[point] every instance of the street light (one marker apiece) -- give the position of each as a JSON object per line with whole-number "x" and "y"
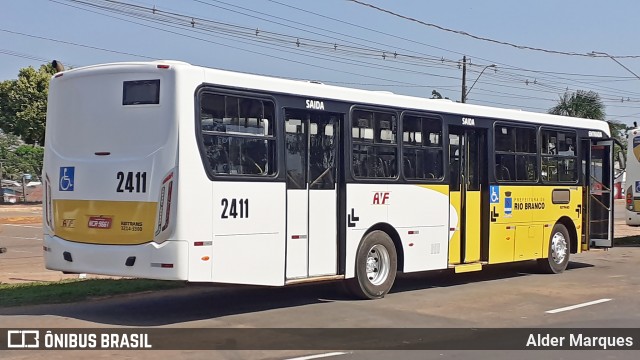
{"x": 466, "y": 92}
{"x": 595, "y": 53}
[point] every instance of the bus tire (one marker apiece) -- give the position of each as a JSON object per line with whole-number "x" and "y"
{"x": 375, "y": 268}
{"x": 558, "y": 257}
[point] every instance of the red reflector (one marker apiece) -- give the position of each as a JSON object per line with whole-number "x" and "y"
{"x": 198, "y": 243}
{"x": 169, "y": 266}
{"x": 452, "y": 229}
{"x": 58, "y": 75}
{"x": 102, "y": 153}
{"x": 295, "y": 237}
{"x": 163, "y": 66}
{"x": 410, "y": 244}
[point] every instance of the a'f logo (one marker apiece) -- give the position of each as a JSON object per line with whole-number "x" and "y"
{"x": 381, "y": 198}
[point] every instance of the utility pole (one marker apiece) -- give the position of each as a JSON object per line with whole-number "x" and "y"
{"x": 465, "y": 92}
{"x": 464, "y": 80}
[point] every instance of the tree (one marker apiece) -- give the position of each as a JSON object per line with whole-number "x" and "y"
{"x": 584, "y": 104}
{"x": 19, "y": 158}
{"x": 588, "y": 105}
{"x": 23, "y": 103}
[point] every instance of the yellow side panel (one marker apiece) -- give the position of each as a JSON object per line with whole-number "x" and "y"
{"x": 529, "y": 240}
{"x": 454, "y": 243}
{"x": 531, "y": 210}
{"x": 502, "y": 243}
{"x": 105, "y": 222}
{"x": 472, "y": 230}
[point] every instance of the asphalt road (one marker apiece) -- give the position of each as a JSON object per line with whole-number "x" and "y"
{"x": 510, "y": 296}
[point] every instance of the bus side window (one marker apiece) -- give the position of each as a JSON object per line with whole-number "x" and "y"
{"x": 237, "y": 135}
{"x": 422, "y": 155}
{"x": 374, "y": 151}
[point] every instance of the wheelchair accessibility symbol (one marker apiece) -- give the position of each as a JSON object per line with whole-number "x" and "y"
{"x": 66, "y": 178}
{"x": 494, "y": 193}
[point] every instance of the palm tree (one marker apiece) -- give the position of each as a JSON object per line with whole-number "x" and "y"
{"x": 584, "y": 104}
{"x": 588, "y": 105}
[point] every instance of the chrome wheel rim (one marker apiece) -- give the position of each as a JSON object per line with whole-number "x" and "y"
{"x": 558, "y": 248}
{"x": 378, "y": 264}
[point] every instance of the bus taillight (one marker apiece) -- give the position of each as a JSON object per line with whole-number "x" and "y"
{"x": 48, "y": 203}
{"x": 629, "y": 200}
{"x": 164, "y": 203}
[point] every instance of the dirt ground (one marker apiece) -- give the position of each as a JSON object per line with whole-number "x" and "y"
{"x": 21, "y": 236}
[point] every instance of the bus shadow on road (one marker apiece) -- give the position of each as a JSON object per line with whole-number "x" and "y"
{"x": 206, "y": 302}
{"x": 447, "y": 278}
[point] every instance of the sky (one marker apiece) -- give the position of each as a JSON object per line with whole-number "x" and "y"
{"x": 417, "y": 49}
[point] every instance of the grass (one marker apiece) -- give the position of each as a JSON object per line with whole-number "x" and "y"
{"x": 627, "y": 240}
{"x": 76, "y": 290}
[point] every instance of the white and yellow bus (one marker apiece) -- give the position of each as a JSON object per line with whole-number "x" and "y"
{"x": 632, "y": 178}
{"x": 166, "y": 170}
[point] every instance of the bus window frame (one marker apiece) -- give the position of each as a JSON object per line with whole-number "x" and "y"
{"x": 350, "y": 142}
{"x": 443, "y": 144}
{"x": 577, "y": 157}
{"x": 493, "y": 152}
{"x": 216, "y": 90}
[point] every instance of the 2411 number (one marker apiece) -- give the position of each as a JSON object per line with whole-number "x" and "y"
{"x": 234, "y": 208}
{"x": 132, "y": 182}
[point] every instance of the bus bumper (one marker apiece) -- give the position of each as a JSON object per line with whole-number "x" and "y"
{"x": 166, "y": 261}
{"x": 632, "y": 218}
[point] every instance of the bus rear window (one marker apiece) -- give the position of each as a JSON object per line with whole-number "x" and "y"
{"x": 141, "y": 92}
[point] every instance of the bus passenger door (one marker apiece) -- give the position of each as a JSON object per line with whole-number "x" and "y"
{"x": 601, "y": 195}
{"x": 468, "y": 180}
{"x": 311, "y": 159}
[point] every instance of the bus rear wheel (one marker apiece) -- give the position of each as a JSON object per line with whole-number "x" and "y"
{"x": 376, "y": 266}
{"x": 558, "y": 257}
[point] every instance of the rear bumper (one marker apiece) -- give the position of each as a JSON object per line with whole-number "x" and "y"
{"x": 112, "y": 259}
{"x": 632, "y": 218}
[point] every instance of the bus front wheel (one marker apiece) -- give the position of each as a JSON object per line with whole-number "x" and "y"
{"x": 558, "y": 257}
{"x": 376, "y": 266}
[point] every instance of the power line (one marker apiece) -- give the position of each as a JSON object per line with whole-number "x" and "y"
{"x": 182, "y": 19}
{"x": 235, "y": 47}
{"x": 235, "y": 32}
{"x": 480, "y": 37}
{"x": 76, "y": 44}
{"x": 23, "y": 56}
